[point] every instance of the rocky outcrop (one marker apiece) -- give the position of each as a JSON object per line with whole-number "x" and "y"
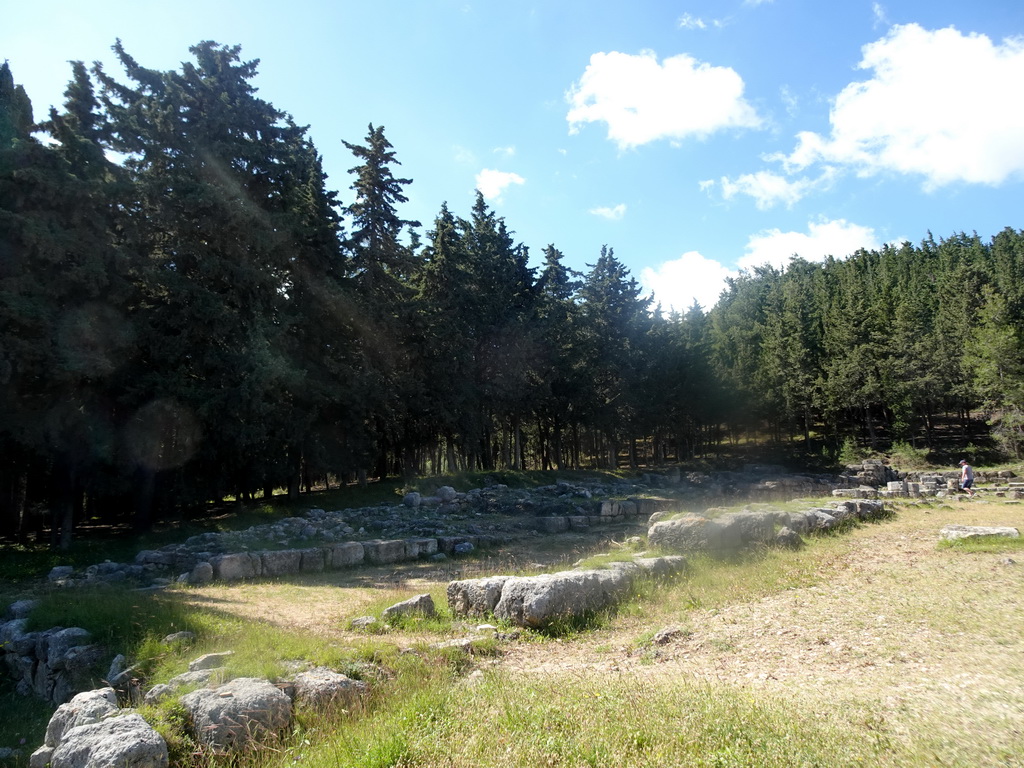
{"x": 53, "y": 664}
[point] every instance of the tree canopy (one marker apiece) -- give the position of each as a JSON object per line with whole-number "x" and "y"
{"x": 202, "y": 318}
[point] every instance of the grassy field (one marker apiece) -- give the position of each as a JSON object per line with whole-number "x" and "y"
{"x": 877, "y": 646}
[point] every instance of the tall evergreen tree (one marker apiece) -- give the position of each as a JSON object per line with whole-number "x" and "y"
{"x": 212, "y": 164}
{"x": 382, "y": 267}
{"x": 615, "y": 321}
{"x": 64, "y": 294}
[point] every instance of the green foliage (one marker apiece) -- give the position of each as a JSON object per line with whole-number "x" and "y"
{"x": 851, "y": 453}
{"x": 906, "y": 456}
{"x": 194, "y": 323}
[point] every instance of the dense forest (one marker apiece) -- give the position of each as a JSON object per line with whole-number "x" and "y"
{"x": 187, "y": 313}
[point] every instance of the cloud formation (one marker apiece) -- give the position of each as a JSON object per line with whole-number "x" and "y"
{"x": 642, "y": 100}
{"x": 940, "y": 104}
{"x": 612, "y": 214}
{"x": 492, "y": 184}
{"x": 835, "y": 237}
{"x": 677, "y": 284}
{"x": 769, "y": 189}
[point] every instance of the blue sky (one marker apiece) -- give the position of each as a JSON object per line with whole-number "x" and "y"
{"x": 695, "y": 138}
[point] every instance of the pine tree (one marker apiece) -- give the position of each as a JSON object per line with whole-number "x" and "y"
{"x": 212, "y": 165}
{"x": 382, "y": 268}
{"x": 64, "y": 293}
{"x": 615, "y": 320}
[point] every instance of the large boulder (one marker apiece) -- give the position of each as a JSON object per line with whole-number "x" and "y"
{"x": 83, "y": 709}
{"x": 87, "y": 732}
{"x": 537, "y": 601}
{"x": 126, "y": 741}
{"x": 238, "y": 714}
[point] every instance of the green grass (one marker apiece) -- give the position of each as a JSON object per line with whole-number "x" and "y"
{"x": 436, "y": 719}
{"x": 984, "y": 544}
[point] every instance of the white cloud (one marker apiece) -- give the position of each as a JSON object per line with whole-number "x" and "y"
{"x": 688, "y": 21}
{"x": 612, "y": 214}
{"x": 836, "y": 237}
{"x": 493, "y": 183}
{"x": 678, "y": 283}
{"x": 505, "y": 151}
{"x": 642, "y": 101}
{"x": 769, "y": 189}
{"x": 463, "y": 156}
{"x": 878, "y": 10}
{"x": 940, "y": 104}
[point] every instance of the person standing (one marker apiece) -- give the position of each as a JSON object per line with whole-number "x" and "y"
{"x": 967, "y": 477}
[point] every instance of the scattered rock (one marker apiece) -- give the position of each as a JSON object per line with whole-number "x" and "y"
{"x": 210, "y": 661}
{"x": 322, "y": 687}
{"x": 953, "y": 532}
{"x": 422, "y": 605}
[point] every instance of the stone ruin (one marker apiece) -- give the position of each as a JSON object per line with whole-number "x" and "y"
{"x": 92, "y": 729}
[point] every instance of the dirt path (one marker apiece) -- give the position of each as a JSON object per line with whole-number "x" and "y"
{"x": 889, "y": 627}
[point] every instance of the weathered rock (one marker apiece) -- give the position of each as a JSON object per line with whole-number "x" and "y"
{"x": 282, "y": 562}
{"x": 346, "y": 554}
{"x": 446, "y": 493}
{"x": 321, "y": 687}
{"x": 420, "y": 547}
{"x": 537, "y": 601}
{"x": 422, "y": 605}
{"x": 180, "y": 637}
{"x": 236, "y": 567}
{"x": 667, "y": 635}
{"x": 953, "y": 532}
{"x": 363, "y": 622}
{"x": 754, "y": 527}
{"x": 58, "y": 642}
{"x": 788, "y": 538}
{"x": 823, "y": 520}
{"x": 22, "y": 609}
{"x": 60, "y": 572}
{"x": 193, "y": 679}
{"x": 313, "y": 560}
{"x": 201, "y": 573}
{"x": 662, "y": 567}
{"x": 379, "y": 552}
{"x": 694, "y": 533}
{"x": 238, "y": 714}
{"x": 475, "y": 597}
{"x": 83, "y": 709}
{"x": 126, "y": 741}
{"x": 210, "y": 661}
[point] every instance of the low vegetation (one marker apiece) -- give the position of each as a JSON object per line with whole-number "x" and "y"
{"x": 878, "y": 647}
